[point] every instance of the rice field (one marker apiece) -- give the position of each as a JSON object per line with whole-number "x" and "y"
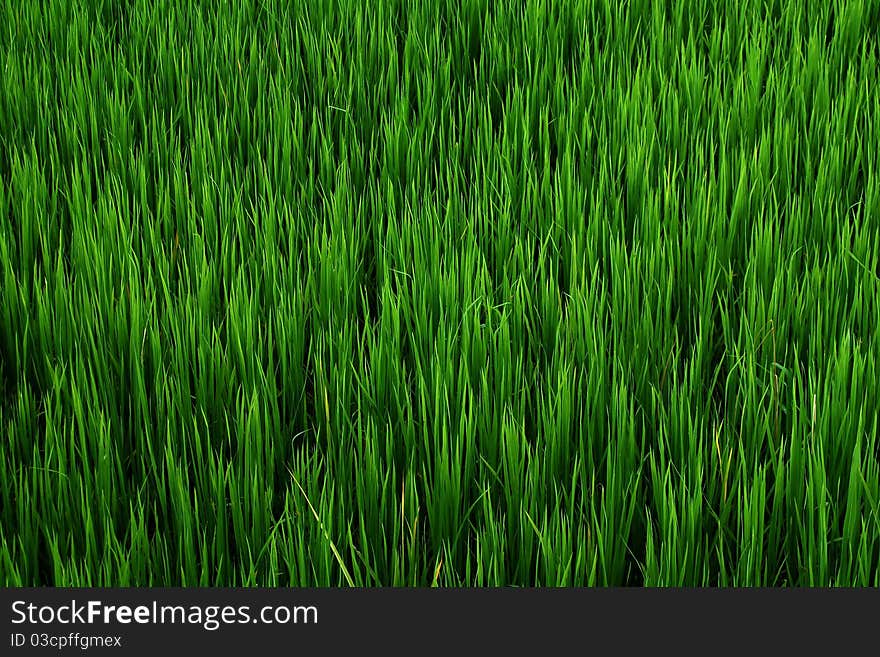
{"x": 435, "y": 293}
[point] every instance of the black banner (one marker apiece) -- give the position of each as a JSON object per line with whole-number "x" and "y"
{"x": 417, "y": 621}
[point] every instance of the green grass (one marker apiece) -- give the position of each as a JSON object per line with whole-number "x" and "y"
{"x": 458, "y": 293}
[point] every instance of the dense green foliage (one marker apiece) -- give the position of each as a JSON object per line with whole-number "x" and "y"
{"x": 430, "y": 292}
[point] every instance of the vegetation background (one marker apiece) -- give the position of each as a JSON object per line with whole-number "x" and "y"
{"x": 416, "y": 292}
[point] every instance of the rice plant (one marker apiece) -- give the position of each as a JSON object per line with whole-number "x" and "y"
{"x": 434, "y": 293}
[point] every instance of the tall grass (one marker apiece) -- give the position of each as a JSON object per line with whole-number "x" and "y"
{"x": 439, "y": 293}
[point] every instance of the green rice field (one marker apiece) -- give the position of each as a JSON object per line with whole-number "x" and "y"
{"x": 439, "y": 293}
